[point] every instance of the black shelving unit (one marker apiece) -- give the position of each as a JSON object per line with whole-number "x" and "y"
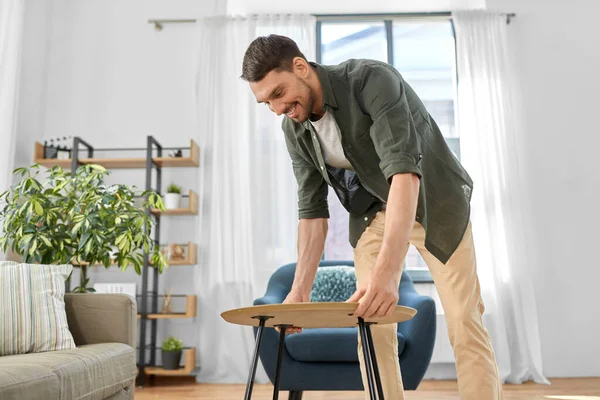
{"x": 152, "y": 162}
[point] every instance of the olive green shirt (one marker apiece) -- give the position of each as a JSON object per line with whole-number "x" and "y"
{"x": 385, "y": 130}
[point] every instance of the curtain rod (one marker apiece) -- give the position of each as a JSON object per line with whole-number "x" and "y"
{"x": 158, "y": 23}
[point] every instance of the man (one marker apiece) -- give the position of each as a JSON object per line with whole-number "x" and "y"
{"x": 361, "y": 129}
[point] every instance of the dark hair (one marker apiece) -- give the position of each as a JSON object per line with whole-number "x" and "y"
{"x": 267, "y": 53}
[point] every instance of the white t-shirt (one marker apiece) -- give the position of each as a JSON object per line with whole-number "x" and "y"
{"x": 328, "y": 132}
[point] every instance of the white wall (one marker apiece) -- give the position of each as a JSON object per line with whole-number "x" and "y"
{"x": 556, "y": 47}
{"x": 348, "y": 6}
{"x": 99, "y": 70}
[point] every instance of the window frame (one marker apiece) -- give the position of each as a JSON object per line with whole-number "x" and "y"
{"x": 418, "y": 276}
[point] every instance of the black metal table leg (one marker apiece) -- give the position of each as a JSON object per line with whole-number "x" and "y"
{"x": 374, "y": 361}
{"x": 252, "y": 373}
{"x": 282, "y": 328}
{"x": 367, "y": 356}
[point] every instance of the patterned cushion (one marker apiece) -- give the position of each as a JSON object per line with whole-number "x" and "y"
{"x": 32, "y": 308}
{"x": 335, "y": 283}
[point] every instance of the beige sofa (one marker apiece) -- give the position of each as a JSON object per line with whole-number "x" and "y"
{"x": 103, "y": 366}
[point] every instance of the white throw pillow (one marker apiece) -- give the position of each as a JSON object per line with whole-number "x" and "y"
{"x": 32, "y": 308}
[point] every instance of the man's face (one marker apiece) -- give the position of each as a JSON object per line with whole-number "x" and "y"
{"x": 285, "y": 92}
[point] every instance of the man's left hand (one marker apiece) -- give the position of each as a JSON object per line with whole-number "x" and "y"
{"x": 378, "y": 295}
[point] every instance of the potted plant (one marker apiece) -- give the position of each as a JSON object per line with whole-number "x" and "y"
{"x": 171, "y": 353}
{"x": 173, "y": 197}
{"x": 75, "y": 218}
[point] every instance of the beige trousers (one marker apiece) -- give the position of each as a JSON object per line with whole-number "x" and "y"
{"x": 458, "y": 286}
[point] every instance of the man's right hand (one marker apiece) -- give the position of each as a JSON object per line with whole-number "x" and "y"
{"x": 295, "y": 296}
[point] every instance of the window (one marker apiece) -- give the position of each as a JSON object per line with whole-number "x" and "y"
{"x": 423, "y": 52}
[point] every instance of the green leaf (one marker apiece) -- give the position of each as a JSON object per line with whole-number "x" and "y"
{"x": 97, "y": 167}
{"x": 38, "y": 208}
{"x": 120, "y": 239}
{"x": 118, "y": 220}
{"x": 33, "y": 247}
{"x": 83, "y": 241}
{"x": 45, "y": 240}
{"x": 88, "y": 246}
{"x": 76, "y": 228}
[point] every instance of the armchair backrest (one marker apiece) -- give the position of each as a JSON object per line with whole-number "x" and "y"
{"x": 282, "y": 279}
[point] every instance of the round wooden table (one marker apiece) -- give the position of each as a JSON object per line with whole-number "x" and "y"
{"x": 314, "y": 315}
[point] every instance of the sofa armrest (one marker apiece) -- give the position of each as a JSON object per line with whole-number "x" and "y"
{"x": 101, "y": 318}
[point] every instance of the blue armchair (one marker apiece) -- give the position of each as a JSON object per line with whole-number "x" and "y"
{"x": 327, "y": 359}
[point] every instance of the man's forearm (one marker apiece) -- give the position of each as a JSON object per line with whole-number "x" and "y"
{"x": 400, "y": 218}
{"x": 311, "y": 242}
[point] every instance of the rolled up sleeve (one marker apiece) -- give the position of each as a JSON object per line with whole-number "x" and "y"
{"x": 312, "y": 187}
{"x": 393, "y": 132}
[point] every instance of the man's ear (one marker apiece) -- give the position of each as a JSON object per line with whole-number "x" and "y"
{"x": 300, "y": 67}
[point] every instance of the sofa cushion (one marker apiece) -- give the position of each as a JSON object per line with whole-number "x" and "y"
{"x": 333, "y": 283}
{"x": 32, "y": 308}
{"x": 327, "y": 345}
{"x": 93, "y": 371}
{"x": 26, "y": 381}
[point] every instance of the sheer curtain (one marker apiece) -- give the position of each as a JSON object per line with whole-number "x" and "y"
{"x": 490, "y": 146}
{"x": 247, "y": 193}
{"x": 12, "y": 14}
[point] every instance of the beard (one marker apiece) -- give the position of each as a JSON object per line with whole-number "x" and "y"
{"x": 309, "y": 103}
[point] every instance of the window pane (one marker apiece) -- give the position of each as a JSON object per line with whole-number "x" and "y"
{"x": 424, "y": 54}
{"x": 341, "y": 41}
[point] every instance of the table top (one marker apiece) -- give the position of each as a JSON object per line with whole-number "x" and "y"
{"x": 310, "y": 315}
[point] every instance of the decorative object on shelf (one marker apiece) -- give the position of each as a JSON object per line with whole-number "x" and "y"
{"x": 176, "y": 252}
{"x": 176, "y": 153}
{"x": 78, "y": 219}
{"x": 58, "y": 147}
{"x": 167, "y": 304}
{"x": 124, "y": 288}
{"x": 171, "y": 353}
{"x": 173, "y": 197}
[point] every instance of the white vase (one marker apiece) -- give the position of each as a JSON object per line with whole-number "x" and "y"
{"x": 172, "y": 200}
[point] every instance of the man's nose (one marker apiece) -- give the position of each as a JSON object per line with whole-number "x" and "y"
{"x": 277, "y": 108}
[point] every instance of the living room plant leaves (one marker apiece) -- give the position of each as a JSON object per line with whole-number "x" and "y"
{"x": 78, "y": 219}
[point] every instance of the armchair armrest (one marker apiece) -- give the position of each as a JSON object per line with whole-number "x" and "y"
{"x": 275, "y": 294}
{"x": 101, "y": 318}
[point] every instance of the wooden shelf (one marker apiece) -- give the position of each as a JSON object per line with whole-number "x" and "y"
{"x": 191, "y": 209}
{"x": 189, "y": 364}
{"x": 190, "y": 311}
{"x": 126, "y": 162}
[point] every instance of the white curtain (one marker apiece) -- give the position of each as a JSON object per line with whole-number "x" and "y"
{"x": 489, "y": 126}
{"x": 247, "y": 190}
{"x": 12, "y": 14}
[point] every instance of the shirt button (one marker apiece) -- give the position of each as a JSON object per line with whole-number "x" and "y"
{"x": 366, "y": 218}
{"x": 314, "y": 137}
{"x": 322, "y": 167}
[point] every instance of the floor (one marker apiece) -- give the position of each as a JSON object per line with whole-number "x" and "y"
{"x": 171, "y": 389}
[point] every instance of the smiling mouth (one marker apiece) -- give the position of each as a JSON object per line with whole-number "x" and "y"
{"x": 291, "y": 112}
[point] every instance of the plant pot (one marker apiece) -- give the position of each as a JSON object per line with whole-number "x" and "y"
{"x": 171, "y": 359}
{"x": 172, "y": 200}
